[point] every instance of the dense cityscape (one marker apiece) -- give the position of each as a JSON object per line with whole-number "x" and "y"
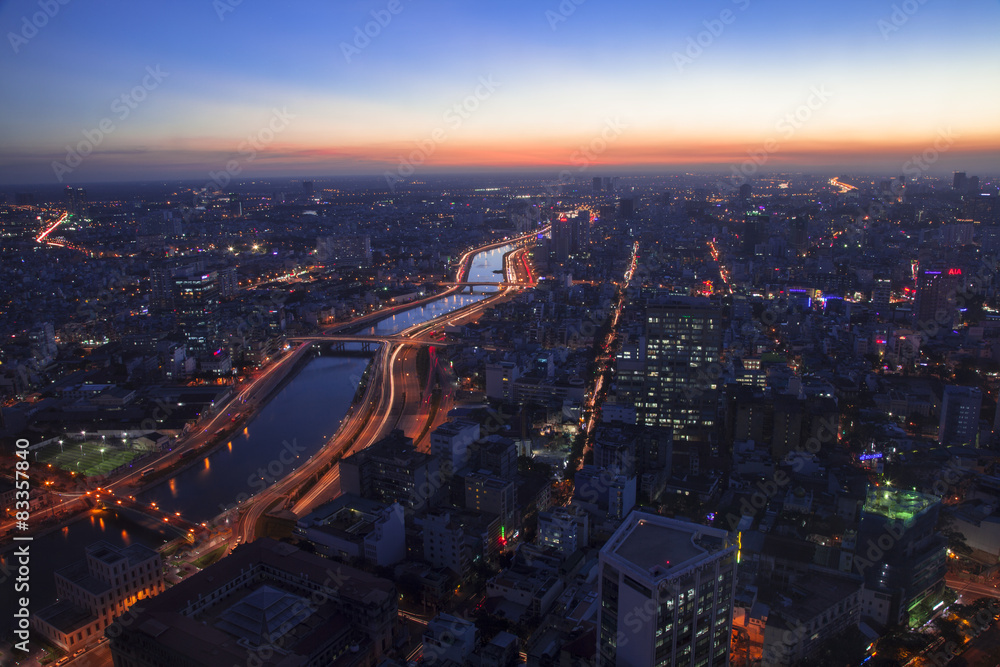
{"x": 515, "y": 408}
{"x": 546, "y": 334}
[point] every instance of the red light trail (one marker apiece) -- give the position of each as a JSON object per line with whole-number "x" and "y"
{"x": 52, "y": 227}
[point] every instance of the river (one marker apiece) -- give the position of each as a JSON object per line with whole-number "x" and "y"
{"x": 297, "y": 421}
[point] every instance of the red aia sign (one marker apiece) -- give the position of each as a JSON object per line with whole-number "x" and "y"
{"x": 954, "y": 272}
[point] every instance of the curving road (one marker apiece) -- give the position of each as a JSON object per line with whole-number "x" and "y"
{"x": 393, "y": 398}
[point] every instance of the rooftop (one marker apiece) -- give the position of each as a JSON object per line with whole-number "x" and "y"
{"x": 661, "y": 546}
{"x": 65, "y": 616}
{"x": 271, "y": 581}
{"x": 897, "y": 504}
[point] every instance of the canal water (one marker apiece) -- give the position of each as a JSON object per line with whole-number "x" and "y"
{"x": 296, "y": 422}
{"x": 481, "y": 271}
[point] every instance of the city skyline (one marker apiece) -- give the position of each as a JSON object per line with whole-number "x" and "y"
{"x": 500, "y": 334}
{"x": 540, "y": 87}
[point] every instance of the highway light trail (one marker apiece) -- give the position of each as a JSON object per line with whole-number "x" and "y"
{"x": 51, "y": 228}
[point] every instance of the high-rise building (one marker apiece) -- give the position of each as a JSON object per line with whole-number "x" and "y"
{"x": 744, "y": 198}
{"x": 43, "y": 343}
{"x": 754, "y": 234}
{"x": 666, "y": 590}
{"x": 983, "y": 208}
{"x": 451, "y": 441}
{"x": 683, "y": 342}
{"x": 936, "y": 290}
{"x": 630, "y": 371}
{"x": 959, "y": 181}
{"x": 581, "y": 230}
{"x": 606, "y": 493}
{"x": 958, "y": 233}
{"x": 486, "y": 493}
{"x": 392, "y": 470}
{"x": 626, "y": 207}
{"x": 643, "y": 451}
{"x": 500, "y": 380}
{"x": 197, "y": 307}
{"x": 882, "y": 296}
{"x": 75, "y": 200}
{"x": 960, "y": 416}
{"x": 229, "y": 283}
{"x": 799, "y": 233}
{"x": 307, "y": 188}
{"x": 563, "y": 529}
{"x": 911, "y": 560}
{"x": 562, "y": 238}
{"x": 990, "y": 240}
{"x": 597, "y": 184}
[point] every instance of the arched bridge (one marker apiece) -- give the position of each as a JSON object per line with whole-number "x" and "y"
{"x": 368, "y": 343}
{"x": 172, "y": 522}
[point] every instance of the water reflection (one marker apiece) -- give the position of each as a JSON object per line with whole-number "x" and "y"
{"x": 295, "y": 420}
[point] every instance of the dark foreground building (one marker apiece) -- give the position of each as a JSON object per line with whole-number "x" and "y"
{"x": 268, "y": 603}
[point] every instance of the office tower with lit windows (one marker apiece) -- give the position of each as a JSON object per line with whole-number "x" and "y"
{"x": 937, "y": 287}
{"x": 912, "y": 557}
{"x": 882, "y": 296}
{"x": 960, "y": 416}
{"x": 581, "y": 230}
{"x": 196, "y": 303}
{"x": 683, "y": 341}
{"x": 75, "y": 200}
{"x": 666, "y": 588}
{"x": 630, "y": 371}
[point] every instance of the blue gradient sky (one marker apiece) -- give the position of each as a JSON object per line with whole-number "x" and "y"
{"x": 890, "y": 93}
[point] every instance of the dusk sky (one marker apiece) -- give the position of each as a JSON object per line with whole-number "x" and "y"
{"x": 551, "y": 79}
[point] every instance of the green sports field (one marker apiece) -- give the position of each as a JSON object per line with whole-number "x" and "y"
{"x": 87, "y": 460}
